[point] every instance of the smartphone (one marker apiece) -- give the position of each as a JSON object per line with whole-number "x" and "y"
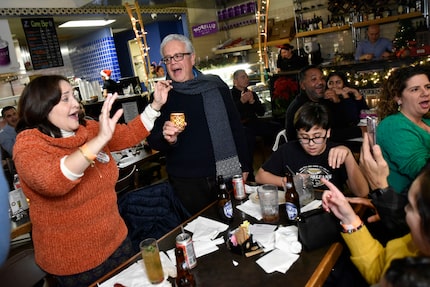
{"x": 372, "y": 122}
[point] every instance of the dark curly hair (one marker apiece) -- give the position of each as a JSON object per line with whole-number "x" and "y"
{"x": 393, "y": 87}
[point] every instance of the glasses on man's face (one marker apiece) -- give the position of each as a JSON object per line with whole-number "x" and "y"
{"x": 177, "y": 57}
{"x": 315, "y": 140}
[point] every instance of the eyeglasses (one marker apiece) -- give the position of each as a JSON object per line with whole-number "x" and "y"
{"x": 177, "y": 57}
{"x": 315, "y": 140}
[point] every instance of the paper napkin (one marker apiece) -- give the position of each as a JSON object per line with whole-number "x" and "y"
{"x": 135, "y": 275}
{"x": 205, "y": 229}
{"x": 277, "y": 260}
{"x": 251, "y": 209}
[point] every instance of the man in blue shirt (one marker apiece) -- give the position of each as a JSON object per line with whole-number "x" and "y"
{"x": 375, "y": 47}
{"x": 8, "y": 133}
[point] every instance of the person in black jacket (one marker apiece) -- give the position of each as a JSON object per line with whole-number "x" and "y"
{"x": 312, "y": 89}
{"x": 288, "y": 60}
{"x": 212, "y": 142}
{"x": 251, "y": 109}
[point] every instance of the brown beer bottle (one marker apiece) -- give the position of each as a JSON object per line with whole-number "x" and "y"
{"x": 225, "y": 206}
{"x": 292, "y": 203}
{"x": 183, "y": 278}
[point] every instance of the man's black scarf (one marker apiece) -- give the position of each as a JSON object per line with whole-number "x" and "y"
{"x": 227, "y": 161}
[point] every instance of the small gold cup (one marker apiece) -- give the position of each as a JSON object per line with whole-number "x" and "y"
{"x": 178, "y": 119}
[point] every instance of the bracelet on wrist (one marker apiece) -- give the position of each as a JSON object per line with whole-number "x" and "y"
{"x": 153, "y": 108}
{"x": 89, "y": 156}
{"x": 353, "y": 227}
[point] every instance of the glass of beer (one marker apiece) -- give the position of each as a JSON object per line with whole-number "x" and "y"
{"x": 151, "y": 260}
{"x": 178, "y": 119}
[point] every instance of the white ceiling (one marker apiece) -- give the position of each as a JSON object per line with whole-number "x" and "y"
{"x": 43, "y": 3}
{"x": 96, "y": 9}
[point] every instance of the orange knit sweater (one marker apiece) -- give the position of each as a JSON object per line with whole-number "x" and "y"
{"x": 76, "y": 224}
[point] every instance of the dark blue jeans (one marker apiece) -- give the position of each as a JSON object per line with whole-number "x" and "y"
{"x": 84, "y": 279}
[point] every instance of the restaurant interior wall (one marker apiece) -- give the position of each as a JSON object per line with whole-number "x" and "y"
{"x": 93, "y": 53}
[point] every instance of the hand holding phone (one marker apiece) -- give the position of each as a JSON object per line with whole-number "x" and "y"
{"x": 371, "y": 130}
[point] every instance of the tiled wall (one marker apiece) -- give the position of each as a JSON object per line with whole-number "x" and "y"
{"x": 90, "y": 55}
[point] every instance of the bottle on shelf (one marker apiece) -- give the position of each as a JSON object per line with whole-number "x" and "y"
{"x": 225, "y": 206}
{"x": 292, "y": 202}
{"x": 183, "y": 276}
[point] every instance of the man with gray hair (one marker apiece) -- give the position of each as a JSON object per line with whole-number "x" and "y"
{"x": 212, "y": 143}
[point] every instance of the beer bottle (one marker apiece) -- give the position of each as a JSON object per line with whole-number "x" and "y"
{"x": 225, "y": 207}
{"x": 183, "y": 276}
{"x": 292, "y": 203}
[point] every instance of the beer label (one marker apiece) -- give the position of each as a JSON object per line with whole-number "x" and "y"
{"x": 292, "y": 211}
{"x": 228, "y": 209}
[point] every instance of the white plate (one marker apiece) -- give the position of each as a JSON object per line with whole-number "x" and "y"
{"x": 254, "y": 197}
{"x": 250, "y": 188}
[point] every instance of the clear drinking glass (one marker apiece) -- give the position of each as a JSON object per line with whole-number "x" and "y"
{"x": 269, "y": 202}
{"x": 151, "y": 260}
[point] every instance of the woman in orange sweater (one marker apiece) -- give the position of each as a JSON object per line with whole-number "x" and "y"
{"x": 68, "y": 174}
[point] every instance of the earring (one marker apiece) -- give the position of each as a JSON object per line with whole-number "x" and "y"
{"x": 399, "y": 106}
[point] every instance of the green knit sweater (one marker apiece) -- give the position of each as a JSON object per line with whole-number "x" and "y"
{"x": 76, "y": 224}
{"x": 406, "y": 148}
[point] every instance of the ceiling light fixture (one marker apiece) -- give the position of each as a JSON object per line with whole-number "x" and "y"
{"x": 86, "y": 23}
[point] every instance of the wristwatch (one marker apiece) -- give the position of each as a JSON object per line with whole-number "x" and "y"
{"x": 379, "y": 191}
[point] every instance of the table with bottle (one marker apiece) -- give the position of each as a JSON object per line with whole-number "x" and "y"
{"x": 226, "y": 268}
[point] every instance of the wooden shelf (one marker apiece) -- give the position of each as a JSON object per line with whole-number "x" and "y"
{"x": 322, "y": 31}
{"x": 233, "y": 49}
{"x": 388, "y": 19}
{"x": 279, "y": 42}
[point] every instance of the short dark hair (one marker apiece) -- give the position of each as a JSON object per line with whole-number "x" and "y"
{"x": 302, "y": 72}
{"x": 5, "y": 109}
{"x": 312, "y": 114}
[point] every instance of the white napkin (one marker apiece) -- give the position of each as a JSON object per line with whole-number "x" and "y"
{"x": 277, "y": 260}
{"x": 251, "y": 209}
{"x": 287, "y": 240}
{"x": 264, "y": 234}
{"x": 314, "y": 204}
{"x": 205, "y": 229}
{"x": 135, "y": 275}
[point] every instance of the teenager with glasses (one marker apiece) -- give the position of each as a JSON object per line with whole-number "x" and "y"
{"x": 212, "y": 142}
{"x": 313, "y": 153}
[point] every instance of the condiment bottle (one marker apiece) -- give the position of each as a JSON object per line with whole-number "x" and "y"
{"x": 225, "y": 207}
{"x": 292, "y": 203}
{"x": 183, "y": 278}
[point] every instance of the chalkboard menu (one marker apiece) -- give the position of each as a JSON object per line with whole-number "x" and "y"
{"x": 42, "y": 43}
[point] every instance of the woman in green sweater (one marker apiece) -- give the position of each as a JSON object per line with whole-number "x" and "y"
{"x": 404, "y": 130}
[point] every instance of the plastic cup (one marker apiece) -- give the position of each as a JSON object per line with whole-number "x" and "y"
{"x": 151, "y": 260}
{"x": 269, "y": 202}
{"x": 304, "y": 187}
{"x": 178, "y": 119}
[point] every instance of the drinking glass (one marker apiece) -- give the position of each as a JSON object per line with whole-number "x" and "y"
{"x": 151, "y": 260}
{"x": 269, "y": 202}
{"x": 304, "y": 187}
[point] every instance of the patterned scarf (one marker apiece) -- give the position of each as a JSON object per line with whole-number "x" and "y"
{"x": 227, "y": 161}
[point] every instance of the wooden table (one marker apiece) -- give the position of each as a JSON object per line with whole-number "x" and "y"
{"x": 216, "y": 269}
{"x": 20, "y": 227}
